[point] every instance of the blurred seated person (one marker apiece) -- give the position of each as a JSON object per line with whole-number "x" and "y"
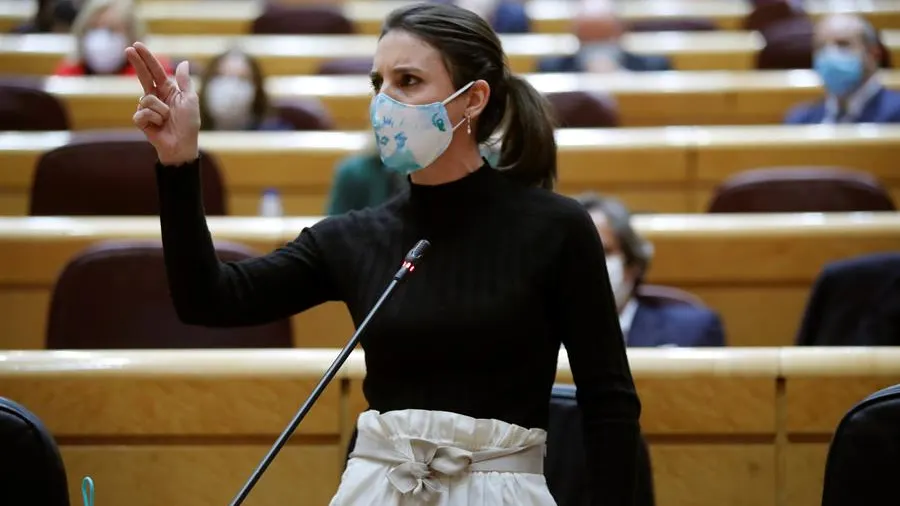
{"x": 599, "y": 30}
{"x": 362, "y": 181}
{"x": 847, "y": 56}
{"x": 102, "y": 30}
{"x": 854, "y": 302}
{"x": 51, "y": 16}
{"x": 233, "y": 95}
{"x": 628, "y": 257}
{"x": 505, "y": 16}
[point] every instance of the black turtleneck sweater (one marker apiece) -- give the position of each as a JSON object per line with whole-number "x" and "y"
{"x": 512, "y": 273}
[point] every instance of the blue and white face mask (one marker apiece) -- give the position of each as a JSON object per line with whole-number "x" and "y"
{"x": 411, "y": 137}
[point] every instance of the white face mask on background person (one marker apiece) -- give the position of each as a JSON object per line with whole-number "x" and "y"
{"x": 230, "y": 102}
{"x": 104, "y": 50}
{"x": 615, "y": 265}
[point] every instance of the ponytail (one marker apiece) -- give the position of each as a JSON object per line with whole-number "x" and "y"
{"x": 528, "y": 145}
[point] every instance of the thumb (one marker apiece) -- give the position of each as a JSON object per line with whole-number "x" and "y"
{"x": 183, "y": 76}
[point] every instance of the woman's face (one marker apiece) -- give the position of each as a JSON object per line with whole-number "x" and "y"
{"x": 104, "y": 42}
{"x": 412, "y": 72}
{"x": 235, "y": 65}
{"x": 409, "y": 70}
{"x": 230, "y": 93}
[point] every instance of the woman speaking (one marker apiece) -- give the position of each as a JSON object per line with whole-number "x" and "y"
{"x": 461, "y": 360}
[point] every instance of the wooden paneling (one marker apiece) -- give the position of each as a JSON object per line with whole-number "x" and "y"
{"x": 720, "y": 422}
{"x": 642, "y": 98}
{"x": 713, "y": 474}
{"x": 41, "y": 54}
{"x": 742, "y": 266}
{"x": 223, "y": 17}
{"x": 671, "y": 169}
{"x": 202, "y": 475}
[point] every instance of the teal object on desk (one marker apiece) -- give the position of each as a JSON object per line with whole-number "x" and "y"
{"x": 87, "y": 491}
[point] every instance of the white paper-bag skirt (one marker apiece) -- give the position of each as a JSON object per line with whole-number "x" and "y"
{"x": 435, "y": 458}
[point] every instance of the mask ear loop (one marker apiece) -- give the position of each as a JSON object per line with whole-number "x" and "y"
{"x": 467, "y": 119}
{"x": 87, "y": 491}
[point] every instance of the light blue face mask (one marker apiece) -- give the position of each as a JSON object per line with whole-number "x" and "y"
{"x": 841, "y": 70}
{"x": 411, "y": 137}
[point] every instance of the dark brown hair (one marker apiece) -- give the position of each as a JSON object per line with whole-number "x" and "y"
{"x": 472, "y": 51}
{"x": 260, "y": 107}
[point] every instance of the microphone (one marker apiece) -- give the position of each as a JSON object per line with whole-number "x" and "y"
{"x": 409, "y": 265}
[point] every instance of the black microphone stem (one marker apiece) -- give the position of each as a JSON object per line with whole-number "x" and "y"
{"x": 408, "y": 266}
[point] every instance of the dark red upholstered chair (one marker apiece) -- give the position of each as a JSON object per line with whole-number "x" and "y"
{"x": 579, "y": 109}
{"x": 788, "y": 45}
{"x": 303, "y": 114}
{"x": 661, "y": 295}
{"x": 800, "y": 189}
{"x": 768, "y": 12}
{"x": 302, "y": 20}
{"x": 346, "y": 66}
{"x": 115, "y": 295}
{"x": 109, "y": 174}
{"x": 25, "y": 107}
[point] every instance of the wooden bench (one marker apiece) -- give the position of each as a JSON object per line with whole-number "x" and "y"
{"x": 643, "y": 98}
{"x": 278, "y": 54}
{"x": 287, "y": 55}
{"x": 673, "y": 169}
{"x": 722, "y": 424}
{"x": 743, "y": 266}
{"x": 217, "y": 17}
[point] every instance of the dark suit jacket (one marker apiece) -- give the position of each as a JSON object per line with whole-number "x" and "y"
{"x": 675, "y": 324}
{"x": 884, "y": 107}
{"x": 855, "y": 302}
{"x": 630, "y": 61}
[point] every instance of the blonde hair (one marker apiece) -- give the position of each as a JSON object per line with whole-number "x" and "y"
{"x": 93, "y": 8}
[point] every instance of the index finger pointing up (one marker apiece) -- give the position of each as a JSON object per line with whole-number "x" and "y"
{"x": 141, "y": 69}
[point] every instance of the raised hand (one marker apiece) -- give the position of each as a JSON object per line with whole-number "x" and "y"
{"x": 169, "y": 111}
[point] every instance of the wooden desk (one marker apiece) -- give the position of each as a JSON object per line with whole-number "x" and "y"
{"x": 196, "y": 422}
{"x": 278, "y": 55}
{"x": 285, "y": 55}
{"x": 743, "y": 266}
{"x": 671, "y": 169}
{"x": 217, "y": 17}
{"x": 820, "y": 387}
{"x": 647, "y": 165}
{"x": 721, "y": 423}
{"x": 643, "y": 98}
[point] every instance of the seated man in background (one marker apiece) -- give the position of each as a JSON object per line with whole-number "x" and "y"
{"x": 600, "y": 31}
{"x": 847, "y": 56}
{"x": 854, "y": 302}
{"x": 628, "y": 256}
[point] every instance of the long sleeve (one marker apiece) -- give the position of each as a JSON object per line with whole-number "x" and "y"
{"x": 208, "y": 292}
{"x": 589, "y": 326}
